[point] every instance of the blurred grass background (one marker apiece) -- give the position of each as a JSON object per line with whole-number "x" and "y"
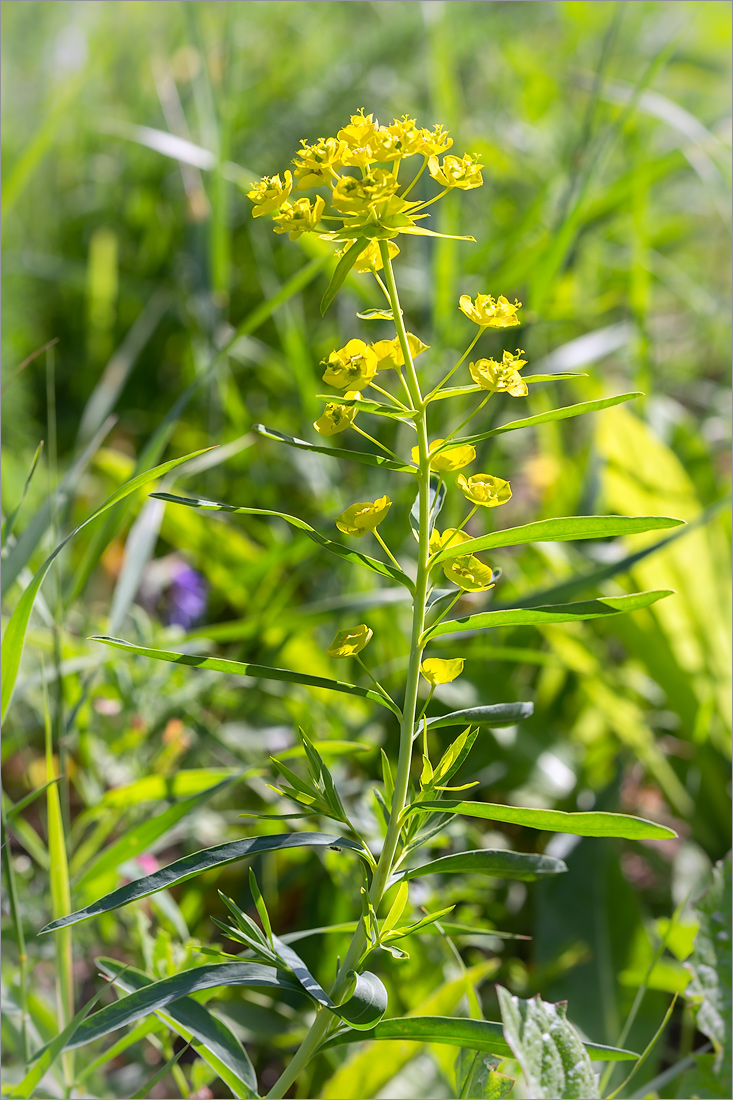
{"x": 130, "y": 133}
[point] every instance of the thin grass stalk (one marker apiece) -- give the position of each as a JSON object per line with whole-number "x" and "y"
{"x": 19, "y": 935}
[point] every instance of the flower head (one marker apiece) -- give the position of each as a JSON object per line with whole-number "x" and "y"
{"x": 501, "y": 377}
{"x": 299, "y": 217}
{"x": 437, "y": 672}
{"x": 359, "y": 131}
{"x": 362, "y": 517}
{"x": 335, "y": 417}
{"x": 348, "y": 643}
{"x": 407, "y": 138}
{"x": 435, "y": 141}
{"x": 389, "y": 352}
{"x": 461, "y": 172}
{"x": 450, "y": 536}
{"x": 270, "y": 193}
{"x": 469, "y": 573}
{"x": 452, "y": 458}
{"x": 351, "y": 367}
{"x": 317, "y": 164}
{"x": 484, "y": 489}
{"x": 357, "y": 196}
{"x": 489, "y": 312}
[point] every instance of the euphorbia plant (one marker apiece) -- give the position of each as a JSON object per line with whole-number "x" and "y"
{"x": 366, "y": 201}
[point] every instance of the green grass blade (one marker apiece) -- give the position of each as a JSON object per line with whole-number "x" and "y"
{"x": 190, "y": 866}
{"x": 16, "y": 808}
{"x": 592, "y": 823}
{"x": 499, "y": 863}
{"x": 494, "y": 716}
{"x": 239, "y": 668}
{"x": 552, "y": 613}
{"x": 336, "y": 452}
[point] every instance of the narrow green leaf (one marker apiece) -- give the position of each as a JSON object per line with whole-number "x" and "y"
{"x": 190, "y": 866}
{"x": 396, "y": 909}
{"x": 374, "y": 407}
{"x": 497, "y": 863}
{"x": 564, "y": 529}
{"x": 182, "y": 784}
{"x": 336, "y": 452}
{"x": 376, "y": 315}
{"x": 9, "y": 524}
{"x": 494, "y": 716}
{"x": 554, "y": 1061}
{"x": 16, "y": 808}
{"x": 418, "y": 231}
{"x": 362, "y": 1009}
{"x": 544, "y": 418}
{"x": 552, "y": 613}
{"x": 15, "y": 631}
{"x": 342, "y": 269}
{"x": 239, "y": 668}
{"x": 466, "y": 391}
{"x": 592, "y": 823}
{"x": 383, "y": 568}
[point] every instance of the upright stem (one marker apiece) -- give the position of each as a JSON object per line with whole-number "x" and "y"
{"x": 324, "y": 1019}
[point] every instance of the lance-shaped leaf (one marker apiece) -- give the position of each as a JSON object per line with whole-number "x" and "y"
{"x": 497, "y": 863}
{"x": 15, "y": 631}
{"x": 240, "y": 668}
{"x": 544, "y": 418}
{"x": 437, "y": 499}
{"x": 362, "y": 1009}
{"x": 190, "y": 866}
{"x": 384, "y": 568}
{"x": 494, "y": 716}
{"x": 210, "y": 1037}
{"x": 392, "y": 411}
{"x": 551, "y": 613}
{"x": 457, "y": 1032}
{"x": 336, "y": 452}
{"x": 549, "y": 1050}
{"x": 590, "y": 823}
{"x": 466, "y": 391}
{"x": 562, "y": 529}
{"x": 342, "y": 269}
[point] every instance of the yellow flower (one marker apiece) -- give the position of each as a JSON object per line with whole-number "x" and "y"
{"x": 450, "y": 537}
{"x": 461, "y": 172}
{"x": 357, "y": 196}
{"x": 490, "y": 313}
{"x": 452, "y": 458}
{"x": 389, "y": 353}
{"x": 270, "y": 193}
{"x": 469, "y": 573}
{"x": 435, "y": 141}
{"x": 336, "y": 418}
{"x": 351, "y": 367}
{"x": 359, "y": 131}
{"x": 299, "y": 217}
{"x": 407, "y": 137}
{"x": 437, "y": 672}
{"x": 348, "y": 643}
{"x": 371, "y": 259}
{"x": 504, "y": 376}
{"x": 363, "y": 517}
{"x": 484, "y": 489}
{"x": 317, "y": 164}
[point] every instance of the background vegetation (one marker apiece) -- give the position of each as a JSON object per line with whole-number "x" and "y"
{"x": 130, "y": 133}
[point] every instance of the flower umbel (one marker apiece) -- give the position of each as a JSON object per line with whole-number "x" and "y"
{"x": 490, "y": 312}
{"x": 501, "y": 377}
{"x": 484, "y": 489}
{"x": 299, "y": 217}
{"x": 452, "y": 458}
{"x": 363, "y": 517}
{"x": 270, "y": 193}
{"x": 461, "y": 172}
{"x": 437, "y": 671}
{"x": 348, "y": 643}
{"x": 337, "y": 418}
{"x": 352, "y": 366}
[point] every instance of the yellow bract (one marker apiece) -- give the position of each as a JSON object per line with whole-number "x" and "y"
{"x": 371, "y": 258}
{"x": 270, "y": 193}
{"x": 317, "y": 164}
{"x": 336, "y": 418}
{"x": 359, "y": 131}
{"x": 484, "y": 489}
{"x": 389, "y": 352}
{"x": 364, "y": 516}
{"x": 450, "y": 536}
{"x": 437, "y": 672}
{"x": 352, "y": 366}
{"x": 348, "y": 643}
{"x": 452, "y": 458}
{"x": 501, "y": 377}
{"x": 298, "y": 217}
{"x": 469, "y": 573}
{"x": 434, "y": 141}
{"x": 461, "y": 172}
{"x": 489, "y": 312}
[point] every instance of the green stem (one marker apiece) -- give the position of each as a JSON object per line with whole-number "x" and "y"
{"x": 469, "y": 417}
{"x": 325, "y": 1019}
{"x": 376, "y": 442}
{"x": 453, "y": 370}
{"x": 386, "y": 549}
{"x": 407, "y": 190}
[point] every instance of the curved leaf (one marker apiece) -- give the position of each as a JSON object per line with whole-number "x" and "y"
{"x": 495, "y": 715}
{"x": 14, "y": 637}
{"x": 190, "y": 866}
{"x": 551, "y": 613}
{"x": 562, "y": 529}
{"x": 385, "y": 569}
{"x": 239, "y": 668}
{"x": 212, "y": 1039}
{"x": 592, "y": 823}
{"x": 367, "y": 1003}
{"x": 336, "y": 452}
{"x": 458, "y": 1032}
{"x": 498, "y": 863}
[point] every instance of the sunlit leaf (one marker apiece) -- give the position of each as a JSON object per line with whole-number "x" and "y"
{"x": 591, "y": 823}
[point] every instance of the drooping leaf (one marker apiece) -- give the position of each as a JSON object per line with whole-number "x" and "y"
{"x": 563, "y": 529}
{"x": 436, "y": 498}
{"x": 555, "y": 1063}
{"x": 710, "y": 965}
{"x": 552, "y": 613}
{"x": 239, "y": 668}
{"x": 336, "y": 452}
{"x": 590, "y": 823}
{"x": 498, "y": 863}
{"x": 363, "y": 1008}
{"x": 384, "y": 568}
{"x": 494, "y": 716}
{"x": 190, "y": 866}
{"x": 342, "y": 269}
